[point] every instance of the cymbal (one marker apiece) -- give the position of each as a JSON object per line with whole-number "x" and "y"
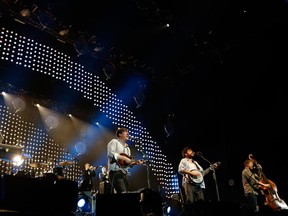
{"x": 26, "y": 156}
{"x": 38, "y": 165}
{"x": 66, "y": 163}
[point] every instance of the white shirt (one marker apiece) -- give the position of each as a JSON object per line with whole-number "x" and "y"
{"x": 114, "y": 148}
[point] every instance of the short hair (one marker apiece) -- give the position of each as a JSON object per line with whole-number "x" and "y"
{"x": 247, "y": 162}
{"x": 120, "y": 131}
{"x": 185, "y": 150}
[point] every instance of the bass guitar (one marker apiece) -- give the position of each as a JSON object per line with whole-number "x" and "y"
{"x": 198, "y": 179}
{"x": 123, "y": 163}
{"x": 272, "y": 198}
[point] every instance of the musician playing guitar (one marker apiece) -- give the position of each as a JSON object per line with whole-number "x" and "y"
{"x": 120, "y": 161}
{"x": 192, "y": 180}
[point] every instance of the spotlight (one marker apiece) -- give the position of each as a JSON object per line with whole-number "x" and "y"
{"x": 46, "y": 18}
{"x": 84, "y": 203}
{"x": 25, "y": 12}
{"x": 64, "y": 32}
{"x": 81, "y": 202}
{"x": 173, "y": 207}
{"x": 81, "y": 46}
{"x": 17, "y": 160}
{"x": 8, "y": 153}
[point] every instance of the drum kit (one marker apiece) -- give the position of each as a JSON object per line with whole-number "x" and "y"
{"x": 46, "y": 170}
{"x": 39, "y": 169}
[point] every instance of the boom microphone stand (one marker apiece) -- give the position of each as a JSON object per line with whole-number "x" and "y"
{"x": 214, "y": 174}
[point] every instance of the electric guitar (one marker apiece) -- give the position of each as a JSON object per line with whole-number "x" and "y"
{"x": 123, "y": 163}
{"x": 199, "y": 178}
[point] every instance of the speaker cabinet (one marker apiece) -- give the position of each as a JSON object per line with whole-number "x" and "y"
{"x": 105, "y": 187}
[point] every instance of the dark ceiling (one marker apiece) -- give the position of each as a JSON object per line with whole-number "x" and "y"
{"x": 218, "y": 69}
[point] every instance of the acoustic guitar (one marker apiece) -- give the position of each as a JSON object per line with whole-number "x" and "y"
{"x": 199, "y": 178}
{"x": 123, "y": 163}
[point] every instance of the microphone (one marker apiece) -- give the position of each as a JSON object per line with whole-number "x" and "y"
{"x": 199, "y": 153}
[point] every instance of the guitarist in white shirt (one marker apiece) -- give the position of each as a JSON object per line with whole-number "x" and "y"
{"x": 187, "y": 166}
{"x": 119, "y": 160}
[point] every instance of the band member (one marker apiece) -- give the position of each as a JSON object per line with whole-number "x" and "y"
{"x": 251, "y": 185}
{"x": 193, "y": 192}
{"x": 103, "y": 175}
{"x": 119, "y": 160}
{"x": 87, "y": 178}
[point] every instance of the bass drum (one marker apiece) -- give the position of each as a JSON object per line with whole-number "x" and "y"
{"x": 59, "y": 172}
{"x": 49, "y": 176}
{"x": 23, "y": 173}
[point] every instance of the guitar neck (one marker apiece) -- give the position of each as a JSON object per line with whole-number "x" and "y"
{"x": 206, "y": 171}
{"x": 212, "y": 167}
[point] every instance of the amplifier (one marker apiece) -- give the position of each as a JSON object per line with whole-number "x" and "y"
{"x": 105, "y": 188}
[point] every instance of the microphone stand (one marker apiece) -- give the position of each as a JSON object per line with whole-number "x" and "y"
{"x": 147, "y": 167}
{"x": 214, "y": 175}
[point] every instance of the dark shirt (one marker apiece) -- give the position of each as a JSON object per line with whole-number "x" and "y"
{"x": 87, "y": 181}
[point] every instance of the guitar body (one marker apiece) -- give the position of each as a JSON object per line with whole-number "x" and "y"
{"x": 198, "y": 179}
{"x": 123, "y": 163}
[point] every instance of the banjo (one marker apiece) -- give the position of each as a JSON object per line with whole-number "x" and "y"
{"x": 199, "y": 178}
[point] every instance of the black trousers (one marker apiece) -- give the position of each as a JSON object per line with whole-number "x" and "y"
{"x": 119, "y": 181}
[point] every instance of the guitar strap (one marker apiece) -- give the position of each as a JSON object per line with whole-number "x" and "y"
{"x": 197, "y": 165}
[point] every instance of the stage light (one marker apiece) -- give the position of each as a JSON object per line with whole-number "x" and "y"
{"x": 81, "y": 46}
{"x": 25, "y": 12}
{"x": 84, "y": 203}
{"x": 46, "y": 18}
{"x": 81, "y": 202}
{"x": 64, "y": 32}
{"x": 9, "y": 152}
{"x": 168, "y": 210}
{"x": 17, "y": 160}
{"x": 173, "y": 207}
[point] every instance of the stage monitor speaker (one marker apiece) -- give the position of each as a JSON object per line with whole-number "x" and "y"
{"x": 37, "y": 194}
{"x": 145, "y": 202}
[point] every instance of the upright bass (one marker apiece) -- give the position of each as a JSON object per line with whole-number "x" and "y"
{"x": 271, "y": 196}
